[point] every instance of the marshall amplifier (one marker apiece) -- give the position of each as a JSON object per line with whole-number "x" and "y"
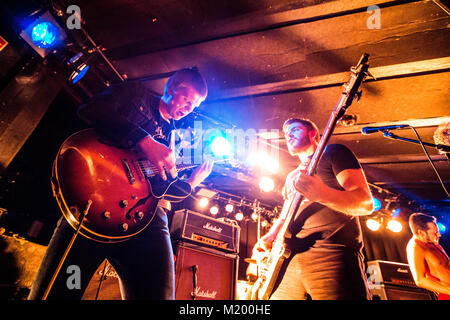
{"x": 202, "y": 273}
{"x": 390, "y": 273}
{"x": 394, "y": 281}
{"x": 202, "y": 230}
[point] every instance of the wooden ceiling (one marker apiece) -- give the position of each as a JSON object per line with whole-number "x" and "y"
{"x": 266, "y": 61}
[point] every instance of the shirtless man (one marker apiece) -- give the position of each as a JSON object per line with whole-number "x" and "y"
{"x": 430, "y": 265}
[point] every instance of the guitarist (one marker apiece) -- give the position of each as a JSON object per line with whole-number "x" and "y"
{"x": 324, "y": 236}
{"x": 130, "y": 116}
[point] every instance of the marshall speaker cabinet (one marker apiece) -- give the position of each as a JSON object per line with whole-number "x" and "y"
{"x": 394, "y": 281}
{"x": 206, "y": 259}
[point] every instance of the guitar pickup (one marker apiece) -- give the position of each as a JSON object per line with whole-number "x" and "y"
{"x": 128, "y": 172}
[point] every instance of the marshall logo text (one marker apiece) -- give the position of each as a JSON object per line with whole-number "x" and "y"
{"x": 211, "y": 227}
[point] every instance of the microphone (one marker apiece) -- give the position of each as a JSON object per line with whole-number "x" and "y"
{"x": 369, "y": 130}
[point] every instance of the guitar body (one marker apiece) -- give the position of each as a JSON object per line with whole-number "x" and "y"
{"x": 114, "y": 179}
{"x": 268, "y": 271}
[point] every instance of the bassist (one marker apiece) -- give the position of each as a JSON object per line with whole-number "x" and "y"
{"x": 324, "y": 236}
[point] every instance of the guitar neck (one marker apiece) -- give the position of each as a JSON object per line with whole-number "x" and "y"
{"x": 149, "y": 170}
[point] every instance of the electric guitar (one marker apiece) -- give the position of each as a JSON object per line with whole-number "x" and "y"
{"x": 121, "y": 186}
{"x": 268, "y": 267}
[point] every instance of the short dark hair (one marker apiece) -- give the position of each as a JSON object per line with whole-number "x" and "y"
{"x": 308, "y": 124}
{"x": 418, "y": 221}
{"x": 189, "y": 76}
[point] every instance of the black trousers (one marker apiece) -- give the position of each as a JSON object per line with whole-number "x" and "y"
{"x": 144, "y": 263}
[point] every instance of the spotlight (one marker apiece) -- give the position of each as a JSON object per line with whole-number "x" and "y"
{"x": 220, "y": 146}
{"x": 376, "y": 204}
{"x": 373, "y": 224}
{"x": 396, "y": 213}
{"x": 203, "y": 202}
{"x": 239, "y": 216}
{"x": 264, "y": 161}
{"x": 43, "y": 34}
{"x": 77, "y": 67}
{"x": 266, "y": 184}
{"x": 78, "y": 73}
{"x": 442, "y": 227}
{"x": 254, "y": 216}
{"x": 229, "y": 207}
{"x": 264, "y": 224}
{"x": 394, "y": 226}
{"x": 214, "y": 210}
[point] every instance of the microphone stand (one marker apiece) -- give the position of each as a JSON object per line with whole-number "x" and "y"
{"x": 439, "y": 147}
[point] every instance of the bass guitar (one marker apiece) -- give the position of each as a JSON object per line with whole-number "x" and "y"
{"x": 120, "y": 185}
{"x": 268, "y": 267}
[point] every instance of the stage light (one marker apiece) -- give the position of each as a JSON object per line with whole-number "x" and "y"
{"x": 396, "y": 213}
{"x": 376, "y": 204}
{"x": 229, "y": 207}
{"x": 264, "y": 224}
{"x": 394, "y": 226}
{"x": 373, "y": 224}
{"x": 263, "y": 161}
{"x": 214, "y": 210}
{"x": 266, "y": 184}
{"x": 203, "y": 202}
{"x": 254, "y": 216}
{"x": 220, "y": 146}
{"x": 442, "y": 227}
{"x": 239, "y": 216}
{"x": 79, "y": 73}
{"x": 44, "y": 34}
{"x": 77, "y": 67}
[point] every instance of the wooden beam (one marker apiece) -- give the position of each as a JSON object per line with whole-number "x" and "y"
{"x": 336, "y": 79}
{"x": 24, "y": 110}
{"x": 251, "y": 23}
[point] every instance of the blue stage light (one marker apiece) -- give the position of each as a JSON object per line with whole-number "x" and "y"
{"x": 442, "y": 227}
{"x": 376, "y": 204}
{"x": 79, "y": 73}
{"x": 396, "y": 213}
{"x": 220, "y": 146}
{"x": 44, "y": 34}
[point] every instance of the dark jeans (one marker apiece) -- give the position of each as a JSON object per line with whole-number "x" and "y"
{"x": 144, "y": 263}
{"x": 326, "y": 272}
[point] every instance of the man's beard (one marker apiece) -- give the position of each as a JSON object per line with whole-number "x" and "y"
{"x": 299, "y": 146}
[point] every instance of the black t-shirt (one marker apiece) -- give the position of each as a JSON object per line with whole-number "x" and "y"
{"x": 317, "y": 224}
{"x": 126, "y": 113}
